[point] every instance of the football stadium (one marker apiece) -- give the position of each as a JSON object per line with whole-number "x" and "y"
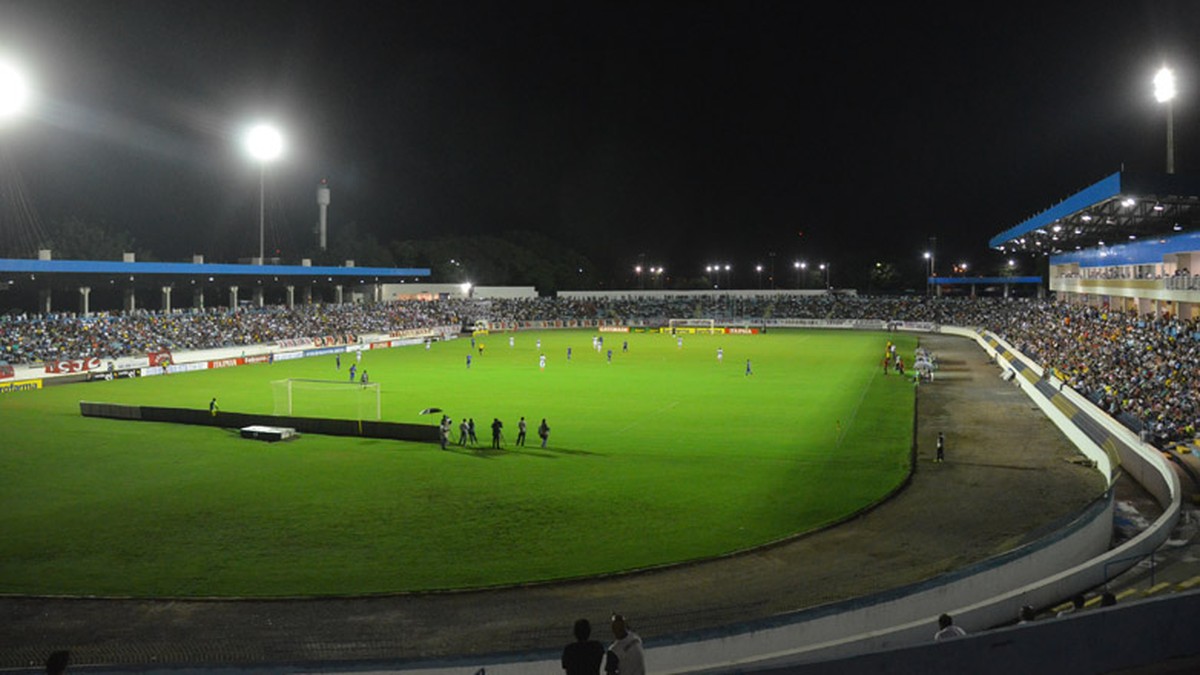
{"x": 476, "y": 426}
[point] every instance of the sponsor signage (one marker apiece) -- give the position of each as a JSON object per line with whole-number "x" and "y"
{"x": 261, "y": 358}
{"x": 72, "y": 366}
{"x": 323, "y": 352}
{"x": 223, "y": 363}
{"x": 614, "y": 329}
{"x": 160, "y": 358}
{"x": 742, "y": 331}
{"x": 20, "y": 385}
{"x": 6, "y": 370}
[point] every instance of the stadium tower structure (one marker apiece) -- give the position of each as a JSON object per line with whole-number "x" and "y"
{"x": 1129, "y": 242}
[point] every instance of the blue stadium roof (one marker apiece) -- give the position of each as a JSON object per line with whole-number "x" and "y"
{"x": 104, "y": 268}
{"x": 1119, "y": 205}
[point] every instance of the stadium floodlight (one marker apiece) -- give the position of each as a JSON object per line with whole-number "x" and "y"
{"x": 265, "y": 144}
{"x": 1164, "y": 92}
{"x": 14, "y": 91}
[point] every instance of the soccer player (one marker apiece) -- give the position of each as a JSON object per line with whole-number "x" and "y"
{"x": 625, "y": 347}
{"x": 364, "y": 379}
{"x": 749, "y": 370}
{"x": 521, "y": 426}
{"x": 511, "y": 341}
{"x": 212, "y": 407}
{"x": 610, "y": 356}
{"x": 542, "y": 362}
{"x": 679, "y": 342}
{"x": 568, "y": 353}
{"x": 353, "y": 371}
{"x": 539, "y": 344}
{"x": 338, "y": 360}
{"x": 468, "y": 361}
{"x": 358, "y": 356}
{"x": 463, "y": 432}
{"x": 720, "y": 355}
{"x": 428, "y": 344}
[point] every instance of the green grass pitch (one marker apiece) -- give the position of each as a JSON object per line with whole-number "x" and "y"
{"x": 662, "y": 455}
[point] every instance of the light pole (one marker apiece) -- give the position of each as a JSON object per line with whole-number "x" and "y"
{"x": 825, "y": 267}
{"x": 758, "y": 270}
{"x": 728, "y": 277}
{"x": 265, "y": 144}
{"x": 796, "y": 265}
{"x": 637, "y": 270}
{"x": 1164, "y": 92}
{"x": 929, "y": 276}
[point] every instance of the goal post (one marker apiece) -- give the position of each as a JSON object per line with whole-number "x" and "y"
{"x": 333, "y": 399}
{"x": 708, "y": 326}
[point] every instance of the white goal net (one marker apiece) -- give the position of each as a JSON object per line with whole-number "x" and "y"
{"x": 327, "y": 398}
{"x": 692, "y": 326}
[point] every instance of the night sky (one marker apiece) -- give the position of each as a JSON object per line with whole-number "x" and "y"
{"x": 675, "y": 133}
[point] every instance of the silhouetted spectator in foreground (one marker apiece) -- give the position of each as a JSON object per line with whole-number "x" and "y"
{"x": 947, "y": 629}
{"x": 584, "y": 655}
{"x": 625, "y": 655}
{"x": 57, "y": 663}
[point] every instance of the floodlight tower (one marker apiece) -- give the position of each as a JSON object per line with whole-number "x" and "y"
{"x": 14, "y": 92}
{"x": 1164, "y": 92}
{"x": 322, "y": 205}
{"x": 265, "y": 144}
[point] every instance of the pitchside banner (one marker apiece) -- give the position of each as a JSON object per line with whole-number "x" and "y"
{"x": 22, "y": 385}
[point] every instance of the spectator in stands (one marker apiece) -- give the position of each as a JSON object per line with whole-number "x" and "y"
{"x": 947, "y": 629}
{"x": 584, "y": 655}
{"x": 1077, "y": 604}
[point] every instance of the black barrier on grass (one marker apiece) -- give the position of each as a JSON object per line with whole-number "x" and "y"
{"x": 397, "y": 431}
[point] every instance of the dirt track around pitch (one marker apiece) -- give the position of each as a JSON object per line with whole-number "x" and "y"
{"x": 1007, "y": 474}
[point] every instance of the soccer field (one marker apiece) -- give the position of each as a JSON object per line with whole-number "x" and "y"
{"x": 662, "y": 455}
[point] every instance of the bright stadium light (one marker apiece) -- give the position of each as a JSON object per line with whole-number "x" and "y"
{"x": 1164, "y": 92}
{"x": 265, "y": 144}
{"x": 14, "y": 91}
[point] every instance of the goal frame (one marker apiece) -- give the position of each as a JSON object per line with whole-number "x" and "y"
{"x": 288, "y": 386}
{"x": 695, "y": 325}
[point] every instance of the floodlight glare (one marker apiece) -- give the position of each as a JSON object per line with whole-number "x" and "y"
{"x": 14, "y": 92}
{"x": 1164, "y": 85}
{"x": 264, "y": 143}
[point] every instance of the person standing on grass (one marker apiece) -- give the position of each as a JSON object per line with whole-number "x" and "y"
{"x": 542, "y": 362}
{"x": 463, "y": 432}
{"x": 497, "y": 426}
{"x": 471, "y": 432}
{"x": 749, "y": 370}
{"x": 338, "y": 360}
{"x": 720, "y": 355}
{"x": 353, "y": 370}
{"x": 941, "y": 448}
{"x": 468, "y": 361}
{"x": 212, "y": 407}
{"x": 584, "y": 655}
{"x": 444, "y": 431}
{"x": 544, "y": 432}
{"x": 521, "y": 432}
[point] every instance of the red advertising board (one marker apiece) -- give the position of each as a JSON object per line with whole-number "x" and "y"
{"x": 72, "y": 366}
{"x": 160, "y": 358}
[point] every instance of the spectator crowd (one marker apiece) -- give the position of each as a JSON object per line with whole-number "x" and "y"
{"x": 1143, "y": 370}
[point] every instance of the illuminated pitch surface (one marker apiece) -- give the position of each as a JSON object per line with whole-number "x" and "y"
{"x": 662, "y": 455}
